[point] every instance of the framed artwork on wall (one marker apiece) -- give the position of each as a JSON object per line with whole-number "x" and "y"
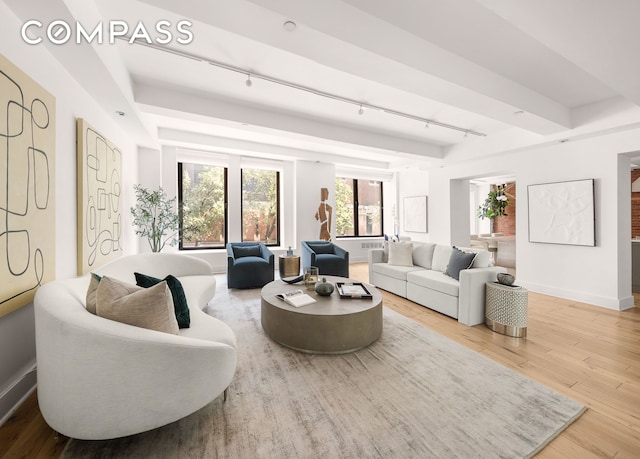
{"x": 27, "y": 187}
{"x": 562, "y": 212}
{"x": 99, "y": 199}
{"x": 415, "y": 214}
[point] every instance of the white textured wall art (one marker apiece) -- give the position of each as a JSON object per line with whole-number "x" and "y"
{"x": 415, "y": 214}
{"x": 562, "y": 213}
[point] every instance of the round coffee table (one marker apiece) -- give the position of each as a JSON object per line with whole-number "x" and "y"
{"x": 331, "y": 325}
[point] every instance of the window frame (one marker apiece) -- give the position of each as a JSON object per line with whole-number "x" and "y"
{"x": 180, "y": 206}
{"x": 277, "y": 171}
{"x": 355, "y": 205}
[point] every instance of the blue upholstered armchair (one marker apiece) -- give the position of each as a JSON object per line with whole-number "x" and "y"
{"x": 330, "y": 259}
{"x": 249, "y": 265}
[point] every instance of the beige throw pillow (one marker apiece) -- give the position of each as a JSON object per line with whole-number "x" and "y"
{"x": 90, "y": 302}
{"x": 400, "y": 254}
{"x": 150, "y": 308}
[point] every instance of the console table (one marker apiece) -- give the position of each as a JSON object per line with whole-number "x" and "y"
{"x": 506, "y": 309}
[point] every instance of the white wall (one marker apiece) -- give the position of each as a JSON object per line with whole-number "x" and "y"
{"x": 414, "y": 183}
{"x": 310, "y": 177}
{"x": 599, "y": 275}
{"x": 17, "y": 342}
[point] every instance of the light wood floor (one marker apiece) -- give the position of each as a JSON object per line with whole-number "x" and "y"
{"x": 585, "y": 352}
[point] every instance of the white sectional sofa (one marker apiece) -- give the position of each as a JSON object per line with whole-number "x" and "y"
{"x": 425, "y": 282}
{"x": 101, "y": 379}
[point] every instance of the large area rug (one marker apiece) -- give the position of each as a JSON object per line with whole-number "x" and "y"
{"x": 413, "y": 393}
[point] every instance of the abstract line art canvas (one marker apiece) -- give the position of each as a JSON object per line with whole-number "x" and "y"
{"x": 27, "y": 187}
{"x": 99, "y": 199}
{"x": 562, "y": 213}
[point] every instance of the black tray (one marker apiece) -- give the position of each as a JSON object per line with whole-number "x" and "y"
{"x": 353, "y": 290}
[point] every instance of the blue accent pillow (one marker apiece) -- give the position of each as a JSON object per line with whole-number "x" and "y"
{"x": 459, "y": 260}
{"x": 240, "y": 251}
{"x": 321, "y": 248}
{"x": 180, "y": 306}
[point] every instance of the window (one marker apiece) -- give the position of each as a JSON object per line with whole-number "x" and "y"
{"x": 202, "y": 200}
{"x": 358, "y": 207}
{"x": 261, "y": 206}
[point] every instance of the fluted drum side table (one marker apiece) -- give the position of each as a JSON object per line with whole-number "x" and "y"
{"x": 506, "y": 309}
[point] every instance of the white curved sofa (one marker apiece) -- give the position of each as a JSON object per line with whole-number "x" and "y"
{"x": 101, "y": 379}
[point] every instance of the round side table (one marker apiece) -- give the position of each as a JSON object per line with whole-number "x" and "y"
{"x": 289, "y": 266}
{"x": 506, "y": 309}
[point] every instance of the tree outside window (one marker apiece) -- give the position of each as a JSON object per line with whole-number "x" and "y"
{"x": 202, "y": 197}
{"x": 358, "y": 207}
{"x": 260, "y": 206}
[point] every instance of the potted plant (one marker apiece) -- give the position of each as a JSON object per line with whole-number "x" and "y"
{"x": 495, "y": 204}
{"x": 155, "y": 217}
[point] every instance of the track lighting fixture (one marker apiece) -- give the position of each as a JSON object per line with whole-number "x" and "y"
{"x": 428, "y": 122}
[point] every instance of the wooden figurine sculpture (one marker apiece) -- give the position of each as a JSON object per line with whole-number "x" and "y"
{"x": 324, "y": 215}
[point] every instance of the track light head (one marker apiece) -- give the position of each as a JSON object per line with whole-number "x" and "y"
{"x": 248, "y": 82}
{"x": 360, "y": 110}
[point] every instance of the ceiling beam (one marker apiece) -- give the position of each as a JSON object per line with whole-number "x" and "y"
{"x": 238, "y": 146}
{"x": 348, "y": 39}
{"x": 148, "y": 96}
{"x": 601, "y": 38}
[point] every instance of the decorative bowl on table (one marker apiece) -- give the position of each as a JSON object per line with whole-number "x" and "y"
{"x": 506, "y": 279}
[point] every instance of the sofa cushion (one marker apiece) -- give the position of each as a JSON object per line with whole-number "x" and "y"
{"x": 330, "y": 263}
{"x": 150, "y": 308}
{"x": 240, "y": 251}
{"x": 441, "y": 256}
{"x": 395, "y": 272}
{"x": 459, "y": 260}
{"x": 321, "y": 248}
{"x": 400, "y": 254}
{"x": 177, "y": 293}
{"x": 434, "y": 280}
{"x": 423, "y": 254}
{"x": 250, "y": 260}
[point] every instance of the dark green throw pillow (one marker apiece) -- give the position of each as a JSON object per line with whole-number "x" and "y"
{"x": 459, "y": 260}
{"x": 177, "y": 292}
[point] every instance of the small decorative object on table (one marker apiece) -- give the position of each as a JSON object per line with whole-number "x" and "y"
{"x": 506, "y": 279}
{"x": 289, "y": 252}
{"x": 311, "y": 277}
{"x": 352, "y": 290}
{"x": 324, "y": 288}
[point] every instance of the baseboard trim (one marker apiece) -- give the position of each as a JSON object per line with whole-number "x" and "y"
{"x": 13, "y": 397}
{"x": 617, "y": 304}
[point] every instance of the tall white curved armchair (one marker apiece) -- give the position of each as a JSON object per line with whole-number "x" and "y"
{"x": 101, "y": 379}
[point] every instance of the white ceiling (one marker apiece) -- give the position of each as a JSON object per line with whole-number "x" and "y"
{"x": 468, "y": 63}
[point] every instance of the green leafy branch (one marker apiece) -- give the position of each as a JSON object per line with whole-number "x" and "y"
{"x": 494, "y": 206}
{"x": 154, "y": 216}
